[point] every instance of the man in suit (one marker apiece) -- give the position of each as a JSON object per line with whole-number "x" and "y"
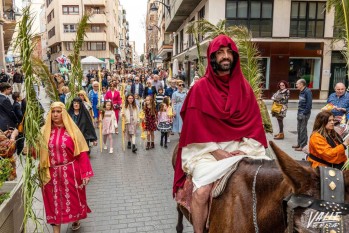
{"x": 137, "y": 87}
{"x": 8, "y": 119}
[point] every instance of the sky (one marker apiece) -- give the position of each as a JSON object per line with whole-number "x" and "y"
{"x": 135, "y": 15}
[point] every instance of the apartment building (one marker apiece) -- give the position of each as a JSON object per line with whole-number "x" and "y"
{"x": 9, "y": 14}
{"x": 123, "y": 53}
{"x": 102, "y": 34}
{"x": 152, "y": 35}
{"x": 295, "y": 39}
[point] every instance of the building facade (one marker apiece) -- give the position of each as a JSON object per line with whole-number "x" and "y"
{"x": 152, "y": 35}
{"x": 295, "y": 39}
{"x": 102, "y": 35}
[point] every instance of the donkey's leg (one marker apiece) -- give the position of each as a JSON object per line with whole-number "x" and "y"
{"x": 179, "y": 226}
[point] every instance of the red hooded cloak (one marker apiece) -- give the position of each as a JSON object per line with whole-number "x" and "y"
{"x": 219, "y": 109}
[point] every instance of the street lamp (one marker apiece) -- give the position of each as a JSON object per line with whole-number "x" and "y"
{"x": 150, "y": 27}
{"x": 154, "y": 7}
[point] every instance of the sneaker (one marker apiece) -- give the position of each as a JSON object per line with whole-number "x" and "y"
{"x": 111, "y": 151}
{"x": 168, "y": 140}
{"x": 105, "y": 147}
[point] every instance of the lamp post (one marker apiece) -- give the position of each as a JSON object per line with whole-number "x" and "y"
{"x": 150, "y": 27}
{"x": 154, "y": 7}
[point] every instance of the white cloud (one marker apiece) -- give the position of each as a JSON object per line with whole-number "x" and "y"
{"x": 135, "y": 15}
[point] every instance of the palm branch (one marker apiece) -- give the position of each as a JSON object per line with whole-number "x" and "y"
{"x": 25, "y": 44}
{"x": 77, "y": 73}
{"x": 41, "y": 70}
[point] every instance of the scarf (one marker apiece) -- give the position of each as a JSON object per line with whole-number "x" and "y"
{"x": 80, "y": 144}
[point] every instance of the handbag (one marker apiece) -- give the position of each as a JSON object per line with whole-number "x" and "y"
{"x": 276, "y": 107}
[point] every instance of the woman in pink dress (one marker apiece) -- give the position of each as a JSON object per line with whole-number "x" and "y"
{"x": 114, "y": 96}
{"x": 65, "y": 169}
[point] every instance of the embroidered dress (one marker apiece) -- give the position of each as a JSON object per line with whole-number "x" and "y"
{"x": 64, "y": 195}
{"x": 150, "y": 120}
{"x": 109, "y": 122}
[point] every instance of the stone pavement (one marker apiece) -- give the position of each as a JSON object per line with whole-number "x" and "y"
{"x": 133, "y": 192}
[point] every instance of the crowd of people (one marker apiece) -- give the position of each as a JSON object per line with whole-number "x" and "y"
{"x": 216, "y": 129}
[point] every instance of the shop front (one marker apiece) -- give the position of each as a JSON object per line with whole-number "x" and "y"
{"x": 291, "y": 61}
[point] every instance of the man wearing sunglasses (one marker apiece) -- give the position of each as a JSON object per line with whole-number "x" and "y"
{"x": 222, "y": 124}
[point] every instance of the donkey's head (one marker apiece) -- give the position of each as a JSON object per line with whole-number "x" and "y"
{"x": 305, "y": 184}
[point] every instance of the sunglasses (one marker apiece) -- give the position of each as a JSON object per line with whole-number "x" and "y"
{"x": 181, "y": 85}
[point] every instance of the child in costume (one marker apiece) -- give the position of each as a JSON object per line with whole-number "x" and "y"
{"x": 164, "y": 124}
{"x": 130, "y": 114}
{"x": 109, "y": 125}
{"x": 150, "y": 120}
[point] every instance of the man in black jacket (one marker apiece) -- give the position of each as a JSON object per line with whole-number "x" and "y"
{"x": 8, "y": 118}
{"x": 4, "y": 78}
{"x": 17, "y": 81}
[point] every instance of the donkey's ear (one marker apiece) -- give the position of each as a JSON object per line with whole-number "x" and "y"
{"x": 297, "y": 176}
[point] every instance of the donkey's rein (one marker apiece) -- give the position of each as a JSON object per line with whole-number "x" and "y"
{"x": 254, "y": 200}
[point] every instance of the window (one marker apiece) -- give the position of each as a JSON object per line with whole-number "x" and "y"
{"x": 51, "y": 32}
{"x": 255, "y": 15}
{"x": 306, "y": 68}
{"x": 69, "y": 46}
{"x": 94, "y": 46}
{"x": 176, "y": 43}
{"x": 50, "y": 16}
{"x": 191, "y": 36}
{"x": 48, "y": 2}
{"x": 181, "y": 40}
{"x": 96, "y": 28}
{"x": 264, "y": 64}
{"x": 201, "y": 15}
{"x": 96, "y": 10}
{"x": 70, "y": 10}
{"x": 308, "y": 19}
{"x": 70, "y": 27}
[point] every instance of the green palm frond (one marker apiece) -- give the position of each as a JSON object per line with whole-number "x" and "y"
{"x": 77, "y": 72}
{"x": 25, "y": 44}
{"x": 41, "y": 70}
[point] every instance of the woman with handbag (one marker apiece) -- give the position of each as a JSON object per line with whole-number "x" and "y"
{"x": 279, "y": 108}
{"x": 114, "y": 95}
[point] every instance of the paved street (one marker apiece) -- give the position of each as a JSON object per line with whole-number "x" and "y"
{"x": 132, "y": 192}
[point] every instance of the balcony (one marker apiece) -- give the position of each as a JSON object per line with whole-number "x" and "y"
{"x": 180, "y": 10}
{"x": 98, "y": 19}
{"x": 96, "y": 36}
{"x": 8, "y": 20}
{"x": 94, "y": 2}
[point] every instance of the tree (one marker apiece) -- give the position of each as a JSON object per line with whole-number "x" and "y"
{"x": 249, "y": 56}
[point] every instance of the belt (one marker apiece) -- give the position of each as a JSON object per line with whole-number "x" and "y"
{"x": 70, "y": 163}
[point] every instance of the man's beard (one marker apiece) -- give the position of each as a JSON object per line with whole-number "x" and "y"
{"x": 224, "y": 67}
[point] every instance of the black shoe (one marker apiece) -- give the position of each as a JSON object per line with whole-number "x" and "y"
{"x": 134, "y": 149}
{"x": 161, "y": 144}
{"x": 129, "y": 145}
{"x": 165, "y": 146}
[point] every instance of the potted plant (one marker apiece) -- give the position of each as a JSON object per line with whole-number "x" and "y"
{"x": 11, "y": 207}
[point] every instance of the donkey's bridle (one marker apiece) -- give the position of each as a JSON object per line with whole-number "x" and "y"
{"x": 332, "y": 200}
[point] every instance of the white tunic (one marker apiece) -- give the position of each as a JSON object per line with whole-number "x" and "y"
{"x": 205, "y": 169}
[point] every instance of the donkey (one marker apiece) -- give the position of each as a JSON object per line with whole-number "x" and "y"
{"x": 233, "y": 210}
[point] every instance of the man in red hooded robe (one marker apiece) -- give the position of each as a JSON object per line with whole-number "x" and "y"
{"x": 221, "y": 125}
